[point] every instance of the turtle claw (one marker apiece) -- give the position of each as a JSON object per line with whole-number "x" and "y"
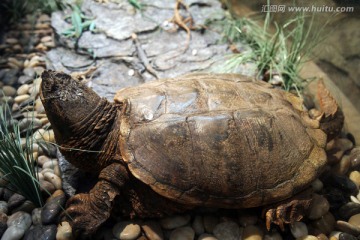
{"x": 286, "y": 213}
{"x": 83, "y": 215}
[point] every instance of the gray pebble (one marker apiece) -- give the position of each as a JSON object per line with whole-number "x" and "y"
{"x": 198, "y": 225}
{"x": 299, "y": 229}
{"x": 182, "y": 233}
{"x": 15, "y": 201}
{"x": 348, "y": 228}
{"x": 8, "y": 91}
{"x": 355, "y": 158}
{"x": 3, "y": 207}
{"x": 25, "y": 79}
{"x": 227, "y": 231}
{"x": 25, "y": 123}
{"x": 3, "y": 224}
{"x": 53, "y": 207}
{"x": 13, "y": 233}
{"x": 38, "y": 232}
{"x": 27, "y": 206}
{"x": 346, "y": 236}
{"x": 29, "y": 71}
{"x": 36, "y": 216}
{"x": 349, "y": 209}
{"x": 210, "y": 222}
{"x": 175, "y": 221}
{"x": 20, "y": 219}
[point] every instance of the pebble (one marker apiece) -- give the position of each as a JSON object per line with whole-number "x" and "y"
{"x": 325, "y": 224}
{"x": 44, "y": 135}
{"x": 210, "y": 222}
{"x": 227, "y": 231}
{"x": 246, "y": 219}
{"x": 308, "y": 237}
{"x": 23, "y": 89}
{"x": 36, "y": 216}
{"x": 26, "y": 123}
{"x": 174, "y": 221}
{"x": 198, "y": 225}
{"x": 317, "y": 185}
{"x": 8, "y": 91}
{"x": 343, "y": 166}
{"x": 126, "y": 230}
{"x": 273, "y": 236}
{"x": 21, "y": 98}
{"x": 30, "y": 72}
{"x": 206, "y": 236}
{"x": 27, "y": 206}
{"x": 349, "y": 209}
{"x": 50, "y": 164}
{"x": 47, "y": 232}
{"x": 24, "y": 79}
{"x": 43, "y": 159}
{"x": 3, "y": 207}
{"x": 348, "y": 228}
{"x": 252, "y": 232}
{"x": 355, "y": 220}
{"x": 64, "y": 231}
{"x": 3, "y": 225}
{"x": 346, "y": 236}
{"x": 54, "y": 179}
{"x": 152, "y": 230}
{"x": 299, "y": 229}
{"x": 53, "y": 207}
{"x": 319, "y": 207}
{"x": 355, "y": 177}
{"x": 182, "y": 233}
{"x": 13, "y": 233}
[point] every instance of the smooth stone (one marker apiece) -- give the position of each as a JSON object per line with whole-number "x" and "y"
{"x": 354, "y": 199}
{"x": 36, "y": 216}
{"x": 198, "y": 225}
{"x": 355, "y": 220}
{"x": 23, "y": 89}
{"x": 308, "y": 237}
{"x": 346, "y": 236}
{"x": 273, "y": 236}
{"x": 53, "y": 207}
{"x": 355, "y": 158}
{"x": 252, "y": 232}
{"x": 3, "y": 224}
{"x": 39, "y": 107}
{"x": 3, "y": 207}
{"x": 21, "y": 98}
{"x": 44, "y": 135}
{"x": 43, "y": 159}
{"x": 27, "y": 206}
{"x": 54, "y": 179}
{"x": 299, "y": 229}
{"x": 50, "y": 164}
{"x": 30, "y": 72}
{"x": 174, "y": 221}
{"x": 343, "y": 183}
{"x": 349, "y": 209}
{"x": 227, "y": 231}
{"x": 64, "y": 231}
{"x": 348, "y": 228}
{"x": 322, "y": 236}
{"x": 13, "y": 233}
{"x": 126, "y": 230}
{"x": 7, "y": 194}
{"x": 319, "y": 207}
{"x": 182, "y": 233}
{"x": 210, "y": 222}
{"x": 343, "y": 166}
{"x": 26, "y": 123}
{"x": 355, "y": 177}
{"x": 206, "y": 236}
{"x": 325, "y": 224}
{"x": 20, "y": 219}
{"x": 317, "y": 185}
{"x": 40, "y": 232}
{"x": 24, "y": 79}
{"x": 246, "y": 219}
{"x": 8, "y": 91}
{"x": 152, "y": 230}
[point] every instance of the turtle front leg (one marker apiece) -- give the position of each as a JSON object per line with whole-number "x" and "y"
{"x": 86, "y": 212}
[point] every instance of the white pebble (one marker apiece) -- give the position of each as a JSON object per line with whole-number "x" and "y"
{"x": 54, "y": 179}
{"x": 64, "y": 231}
{"x": 299, "y": 229}
{"x": 126, "y": 230}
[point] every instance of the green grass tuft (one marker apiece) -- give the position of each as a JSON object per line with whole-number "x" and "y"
{"x": 17, "y": 165}
{"x": 280, "y": 52}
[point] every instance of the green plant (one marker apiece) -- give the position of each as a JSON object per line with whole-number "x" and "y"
{"x": 17, "y": 164}
{"x": 79, "y": 23}
{"x": 281, "y": 53}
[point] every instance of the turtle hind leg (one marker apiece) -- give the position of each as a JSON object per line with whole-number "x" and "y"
{"x": 288, "y": 211}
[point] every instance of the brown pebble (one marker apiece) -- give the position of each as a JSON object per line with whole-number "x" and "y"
{"x": 252, "y": 233}
{"x": 342, "y": 167}
{"x": 325, "y": 224}
{"x": 355, "y": 220}
{"x": 348, "y": 228}
{"x": 355, "y": 158}
{"x": 355, "y": 177}
{"x": 319, "y": 207}
{"x": 152, "y": 230}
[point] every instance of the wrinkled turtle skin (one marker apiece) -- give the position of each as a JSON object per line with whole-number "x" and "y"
{"x": 210, "y": 140}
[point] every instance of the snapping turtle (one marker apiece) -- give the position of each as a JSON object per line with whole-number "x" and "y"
{"x": 167, "y": 146}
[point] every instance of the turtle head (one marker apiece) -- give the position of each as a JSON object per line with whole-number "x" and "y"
{"x": 66, "y": 102}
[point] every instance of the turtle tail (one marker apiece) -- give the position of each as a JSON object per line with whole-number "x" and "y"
{"x": 332, "y": 118}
